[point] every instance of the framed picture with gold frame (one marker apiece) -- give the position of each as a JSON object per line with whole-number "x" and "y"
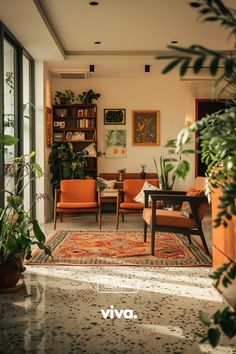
{"x": 146, "y": 128}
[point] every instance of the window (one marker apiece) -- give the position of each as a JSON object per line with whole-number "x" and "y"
{"x": 16, "y": 104}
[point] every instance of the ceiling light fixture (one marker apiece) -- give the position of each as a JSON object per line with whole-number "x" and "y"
{"x": 147, "y": 68}
{"x": 93, "y": 3}
{"x": 91, "y": 68}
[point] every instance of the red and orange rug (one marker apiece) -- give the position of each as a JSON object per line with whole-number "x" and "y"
{"x": 121, "y": 248}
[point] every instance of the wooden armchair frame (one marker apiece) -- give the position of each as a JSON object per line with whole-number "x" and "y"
{"x": 72, "y": 211}
{"x": 175, "y": 198}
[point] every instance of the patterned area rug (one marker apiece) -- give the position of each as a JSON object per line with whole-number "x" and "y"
{"x": 120, "y": 248}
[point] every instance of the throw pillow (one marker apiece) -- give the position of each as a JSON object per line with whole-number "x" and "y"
{"x": 104, "y": 184}
{"x": 139, "y": 198}
{"x": 186, "y": 208}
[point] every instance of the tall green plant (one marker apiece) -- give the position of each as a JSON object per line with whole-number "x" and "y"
{"x": 170, "y": 169}
{"x": 65, "y": 163}
{"x": 217, "y": 135}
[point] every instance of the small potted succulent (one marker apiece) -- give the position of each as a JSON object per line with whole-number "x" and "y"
{"x": 121, "y": 174}
{"x": 143, "y": 172}
{"x": 87, "y": 97}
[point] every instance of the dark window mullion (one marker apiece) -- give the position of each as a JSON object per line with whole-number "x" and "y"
{"x": 1, "y": 115}
{"x": 32, "y": 130}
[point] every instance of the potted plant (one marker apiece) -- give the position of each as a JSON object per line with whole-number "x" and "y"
{"x": 169, "y": 171}
{"x": 66, "y": 97}
{"x": 121, "y": 174}
{"x": 87, "y": 97}
{"x": 65, "y": 163}
{"x": 217, "y": 136}
{"x": 143, "y": 172}
{"x": 18, "y": 232}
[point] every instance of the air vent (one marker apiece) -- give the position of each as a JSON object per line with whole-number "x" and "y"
{"x": 79, "y": 75}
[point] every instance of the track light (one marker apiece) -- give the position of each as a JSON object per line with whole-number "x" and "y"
{"x": 91, "y": 68}
{"x": 147, "y": 68}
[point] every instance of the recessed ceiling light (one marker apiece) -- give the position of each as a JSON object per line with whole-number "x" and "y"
{"x": 93, "y": 3}
{"x": 97, "y": 42}
{"x": 174, "y": 42}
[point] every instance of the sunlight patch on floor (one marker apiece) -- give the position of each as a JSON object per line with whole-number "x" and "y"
{"x": 167, "y": 330}
{"x": 109, "y": 276}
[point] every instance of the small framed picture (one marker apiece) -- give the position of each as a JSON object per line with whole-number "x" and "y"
{"x": 114, "y": 116}
{"x": 146, "y": 128}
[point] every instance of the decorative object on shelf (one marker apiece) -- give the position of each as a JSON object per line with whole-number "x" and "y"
{"x": 60, "y": 124}
{"x": 61, "y": 112}
{"x": 146, "y": 128}
{"x": 66, "y": 97}
{"x": 69, "y": 136}
{"x": 78, "y": 136}
{"x": 121, "y": 174}
{"x": 114, "y": 116}
{"x": 115, "y": 143}
{"x": 48, "y": 117}
{"x": 57, "y": 137}
{"x": 143, "y": 172}
{"x": 87, "y": 97}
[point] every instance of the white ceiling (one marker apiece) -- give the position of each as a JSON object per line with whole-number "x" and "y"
{"x": 62, "y": 33}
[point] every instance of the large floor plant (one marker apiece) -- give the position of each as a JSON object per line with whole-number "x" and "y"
{"x": 217, "y": 135}
{"x": 65, "y": 163}
{"x": 18, "y": 231}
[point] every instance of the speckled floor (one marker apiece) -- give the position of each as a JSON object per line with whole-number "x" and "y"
{"x": 60, "y": 309}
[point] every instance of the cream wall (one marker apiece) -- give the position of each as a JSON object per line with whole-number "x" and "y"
{"x": 174, "y": 98}
{"x": 42, "y": 99}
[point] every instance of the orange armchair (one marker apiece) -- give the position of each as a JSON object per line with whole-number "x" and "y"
{"x": 164, "y": 220}
{"x": 130, "y": 190}
{"x": 77, "y": 196}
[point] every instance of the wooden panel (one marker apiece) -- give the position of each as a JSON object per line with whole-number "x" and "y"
{"x": 219, "y": 258}
{"x": 228, "y": 293}
{"x": 224, "y": 238}
{"x": 110, "y": 176}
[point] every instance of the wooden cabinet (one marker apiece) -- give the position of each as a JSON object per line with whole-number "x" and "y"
{"x": 224, "y": 247}
{"x": 77, "y": 124}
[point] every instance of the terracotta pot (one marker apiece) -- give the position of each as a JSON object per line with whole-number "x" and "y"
{"x": 10, "y": 272}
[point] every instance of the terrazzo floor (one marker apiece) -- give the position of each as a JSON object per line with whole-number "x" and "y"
{"x": 60, "y": 309}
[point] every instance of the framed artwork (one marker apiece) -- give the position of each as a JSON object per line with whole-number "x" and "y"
{"x": 146, "y": 128}
{"x": 114, "y": 116}
{"x": 48, "y": 135}
{"x": 115, "y": 142}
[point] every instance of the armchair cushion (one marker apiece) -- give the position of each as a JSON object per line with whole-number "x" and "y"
{"x": 139, "y": 198}
{"x": 81, "y": 205}
{"x": 186, "y": 210}
{"x": 168, "y": 217}
{"x": 136, "y": 206}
